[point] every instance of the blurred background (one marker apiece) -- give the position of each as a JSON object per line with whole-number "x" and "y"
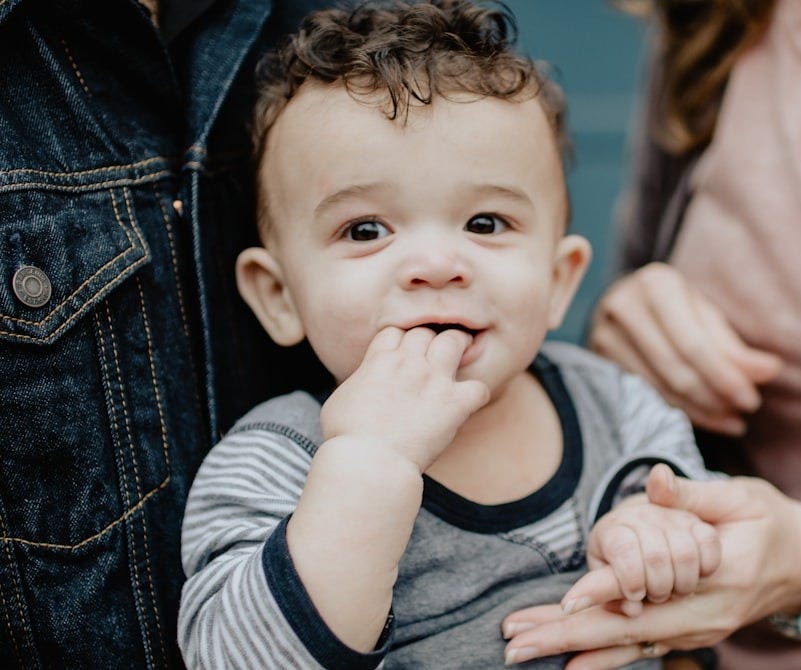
{"x": 595, "y": 52}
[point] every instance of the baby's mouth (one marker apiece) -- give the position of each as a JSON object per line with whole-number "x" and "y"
{"x": 441, "y": 327}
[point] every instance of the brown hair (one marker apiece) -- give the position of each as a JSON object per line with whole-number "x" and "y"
{"x": 409, "y": 51}
{"x": 701, "y": 41}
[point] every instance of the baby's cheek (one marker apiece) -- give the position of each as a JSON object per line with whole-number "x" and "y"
{"x": 339, "y": 346}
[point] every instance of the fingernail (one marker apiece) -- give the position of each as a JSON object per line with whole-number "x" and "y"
{"x": 510, "y": 629}
{"x": 520, "y": 654}
{"x": 577, "y": 604}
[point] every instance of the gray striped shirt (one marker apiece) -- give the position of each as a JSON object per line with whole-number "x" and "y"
{"x": 466, "y": 565}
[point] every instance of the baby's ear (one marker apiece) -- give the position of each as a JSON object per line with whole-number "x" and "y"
{"x": 573, "y": 254}
{"x": 261, "y": 284}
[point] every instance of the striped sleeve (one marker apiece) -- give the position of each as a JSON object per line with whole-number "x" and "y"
{"x": 243, "y": 604}
{"x": 651, "y": 431}
{"x": 649, "y": 426}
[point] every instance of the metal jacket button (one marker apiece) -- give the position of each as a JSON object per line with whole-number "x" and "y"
{"x": 31, "y": 286}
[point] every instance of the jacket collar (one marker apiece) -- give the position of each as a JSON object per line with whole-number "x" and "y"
{"x": 6, "y": 7}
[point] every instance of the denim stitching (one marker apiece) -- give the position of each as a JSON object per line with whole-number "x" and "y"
{"x": 121, "y": 465}
{"x": 119, "y": 218}
{"x": 109, "y": 183}
{"x": 155, "y": 382}
{"x": 152, "y": 592}
{"x": 80, "y": 173}
{"x": 166, "y": 460}
{"x": 75, "y": 67}
{"x": 126, "y": 270}
{"x": 131, "y": 537}
{"x": 19, "y": 603}
{"x": 131, "y": 510}
{"x": 78, "y": 545}
{"x": 9, "y": 628}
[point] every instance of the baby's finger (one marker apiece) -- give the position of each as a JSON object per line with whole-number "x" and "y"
{"x": 658, "y": 564}
{"x": 387, "y": 339}
{"x": 709, "y": 549}
{"x": 620, "y": 547}
{"x": 685, "y": 555}
{"x": 475, "y": 394}
{"x": 416, "y": 341}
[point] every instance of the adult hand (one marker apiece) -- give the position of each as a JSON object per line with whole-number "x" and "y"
{"x": 760, "y": 535}
{"x": 654, "y": 323}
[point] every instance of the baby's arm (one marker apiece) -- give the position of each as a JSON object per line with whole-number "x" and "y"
{"x": 274, "y": 539}
{"x": 640, "y": 551}
{"x": 383, "y": 427}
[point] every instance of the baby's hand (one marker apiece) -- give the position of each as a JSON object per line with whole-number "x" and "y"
{"x": 405, "y": 395}
{"x": 642, "y": 551}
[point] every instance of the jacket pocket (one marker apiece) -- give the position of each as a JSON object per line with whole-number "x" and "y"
{"x": 82, "y": 246}
{"x": 84, "y": 442}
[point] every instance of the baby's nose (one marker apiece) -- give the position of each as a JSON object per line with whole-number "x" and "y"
{"x": 435, "y": 267}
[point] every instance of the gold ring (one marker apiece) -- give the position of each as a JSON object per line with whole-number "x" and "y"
{"x": 649, "y": 649}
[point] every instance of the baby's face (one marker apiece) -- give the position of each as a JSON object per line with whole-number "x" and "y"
{"x": 455, "y": 217}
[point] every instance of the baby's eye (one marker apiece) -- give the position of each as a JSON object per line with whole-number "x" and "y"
{"x": 486, "y": 224}
{"x": 365, "y": 231}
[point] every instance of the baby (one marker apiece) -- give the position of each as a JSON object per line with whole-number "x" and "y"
{"x": 413, "y": 212}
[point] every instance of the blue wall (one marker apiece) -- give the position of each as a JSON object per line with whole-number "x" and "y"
{"x": 595, "y": 52}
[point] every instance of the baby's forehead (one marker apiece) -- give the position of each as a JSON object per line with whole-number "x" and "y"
{"x": 326, "y": 133}
{"x": 316, "y": 107}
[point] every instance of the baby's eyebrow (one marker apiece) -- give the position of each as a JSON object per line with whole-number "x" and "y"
{"x": 352, "y": 191}
{"x": 509, "y": 192}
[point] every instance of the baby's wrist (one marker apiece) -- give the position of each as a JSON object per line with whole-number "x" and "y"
{"x": 368, "y": 456}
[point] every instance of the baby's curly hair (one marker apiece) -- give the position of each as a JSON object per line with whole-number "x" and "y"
{"x": 410, "y": 52}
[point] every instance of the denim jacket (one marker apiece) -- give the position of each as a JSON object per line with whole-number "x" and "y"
{"x": 124, "y": 348}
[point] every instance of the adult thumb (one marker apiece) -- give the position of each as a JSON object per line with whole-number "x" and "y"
{"x": 712, "y": 501}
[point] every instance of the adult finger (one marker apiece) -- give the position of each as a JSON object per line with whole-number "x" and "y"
{"x": 615, "y": 657}
{"x": 597, "y": 587}
{"x": 759, "y": 365}
{"x": 712, "y": 414}
{"x": 698, "y": 331}
{"x": 626, "y": 330}
{"x": 629, "y": 320}
{"x": 712, "y": 501}
{"x": 598, "y": 628}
